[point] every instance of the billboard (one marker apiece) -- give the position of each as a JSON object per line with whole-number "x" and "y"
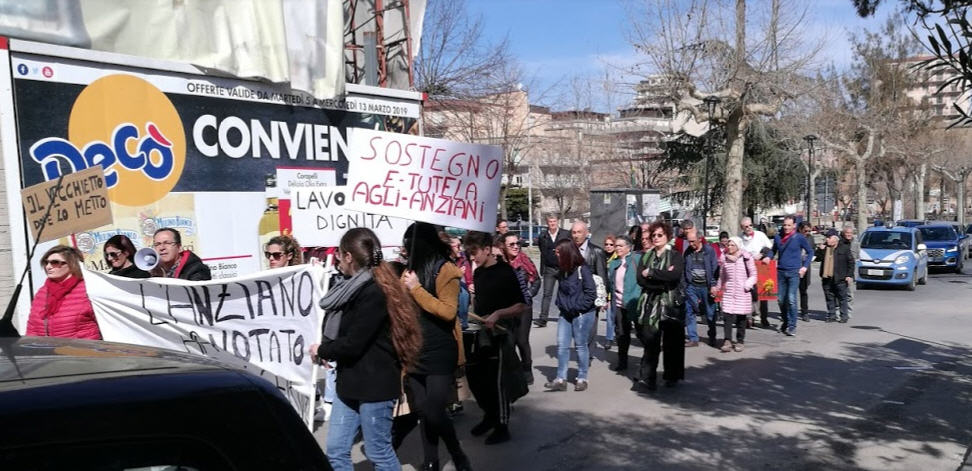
{"x": 212, "y": 157}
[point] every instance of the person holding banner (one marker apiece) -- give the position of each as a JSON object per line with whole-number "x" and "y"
{"x": 61, "y": 307}
{"x": 282, "y": 251}
{"x": 119, "y": 252}
{"x": 175, "y": 262}
{"x": 377, "y": 338}
{"x": 433, "y": 281}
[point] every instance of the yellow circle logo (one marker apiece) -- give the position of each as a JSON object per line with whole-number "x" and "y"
{"x": 132, "y": 129}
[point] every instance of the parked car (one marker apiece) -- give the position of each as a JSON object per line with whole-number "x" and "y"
{"x": 93, "y": 405}
{"x": 892, "y": 256}
{"x": 945, "y": 247}
{"x": 968, "y": 231}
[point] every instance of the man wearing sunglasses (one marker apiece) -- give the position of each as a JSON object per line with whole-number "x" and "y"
{"x": 175, "y": 262}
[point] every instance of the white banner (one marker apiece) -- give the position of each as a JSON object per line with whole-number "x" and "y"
{"x": 424, "y": 179}
{"x": 320, "y": 217}
{"x": 268, "y": 320}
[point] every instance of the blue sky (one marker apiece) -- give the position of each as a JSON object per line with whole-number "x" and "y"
{"x": 555, "y": 40}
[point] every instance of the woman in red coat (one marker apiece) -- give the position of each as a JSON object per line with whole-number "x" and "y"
{"x": 61, "y": 307}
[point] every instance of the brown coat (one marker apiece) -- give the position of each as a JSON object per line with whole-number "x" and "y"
{"x": 445, "y": 306}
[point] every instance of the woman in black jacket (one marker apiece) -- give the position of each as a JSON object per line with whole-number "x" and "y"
{"x": 576, "y": 293}
{"x": 120, "y": 254}
{"x": 661, "y": 315}
{"x": 433, "y": 282}
{"x": 377, "y": 337}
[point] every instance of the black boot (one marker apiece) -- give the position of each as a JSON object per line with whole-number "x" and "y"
{"x": 500, "y": 434}
{"x": 461, "y": 462}
{"x": 482, "y": 427}
{"x": 622, "y": 364}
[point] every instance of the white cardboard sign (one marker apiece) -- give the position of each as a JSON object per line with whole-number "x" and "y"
{"x": 424, "y": 179}
{"x": 321, "y": 216}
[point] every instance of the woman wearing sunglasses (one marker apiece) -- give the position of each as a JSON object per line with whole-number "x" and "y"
{"x": 61, "y": 307}
{"x": 283, "y": 251}
{"x": 661, "y": 309}
{"x": 120, "y": 253}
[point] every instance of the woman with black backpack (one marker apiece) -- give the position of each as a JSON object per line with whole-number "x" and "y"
{"x": 576, "y": 294}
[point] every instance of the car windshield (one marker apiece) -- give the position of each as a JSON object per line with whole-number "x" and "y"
{"x": 938, "y": 233}
{"x": 886, "y": 240}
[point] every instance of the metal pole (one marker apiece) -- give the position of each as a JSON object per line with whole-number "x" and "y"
{"x": 530, "y": 204}
{"x": 809, "y": 173}
{"x": 705, "y": 184}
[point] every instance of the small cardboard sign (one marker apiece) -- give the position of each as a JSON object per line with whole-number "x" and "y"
{"x": 767, "y": 287}
{"x": 80, "y": 203}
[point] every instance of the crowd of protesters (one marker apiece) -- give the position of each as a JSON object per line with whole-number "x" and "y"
{"x": 406, "y": 330}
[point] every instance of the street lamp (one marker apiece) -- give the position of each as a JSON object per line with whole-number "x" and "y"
{"x": 711, "y": 102}
{"x": 809, "y": 138}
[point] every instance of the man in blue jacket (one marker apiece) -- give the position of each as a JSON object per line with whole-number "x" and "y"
{"x": 699, "y": 279}
{"x": 792, "y": 265}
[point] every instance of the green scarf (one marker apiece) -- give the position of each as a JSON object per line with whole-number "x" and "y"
{"x": 651, "y": 306}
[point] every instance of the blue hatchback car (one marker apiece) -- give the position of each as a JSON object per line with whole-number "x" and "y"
{"x": 892, "y": 256}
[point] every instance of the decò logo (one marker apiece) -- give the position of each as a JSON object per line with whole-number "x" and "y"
{"x": 129, "y": 127}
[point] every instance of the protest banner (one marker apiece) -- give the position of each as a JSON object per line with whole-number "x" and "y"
{"x": 79, "y": 203}
{"x": 424, "y": 179}
{"x": 268, "y": 319}
{"x": 767, "y": 287}
{"x": 178, "y": 148}
{"x": 320, "y": 217}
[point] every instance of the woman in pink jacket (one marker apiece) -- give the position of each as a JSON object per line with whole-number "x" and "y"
{"x": 737, "y": 278}
{"x": 61, "y": 307}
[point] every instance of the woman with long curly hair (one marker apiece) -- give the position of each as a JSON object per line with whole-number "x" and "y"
{"x": 377, "y": 338}
{"x": 283, "y": 251}
{"x": 433, "y": 281}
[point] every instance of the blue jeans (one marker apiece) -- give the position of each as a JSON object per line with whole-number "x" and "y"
{"x": 697, "y": 300}
{"x": 576, "y": 330}
{"x": 330, "y": 383}
{"x": 609, "y": 335}
{"x": 375, "y": 420}
{"x": 789, "y": 282}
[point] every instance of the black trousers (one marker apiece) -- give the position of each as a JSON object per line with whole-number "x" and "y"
{"x": 836, "y": 294}
{"x": 728, "y": 321}
{"x": 428, "y": 396}
{"x": 483, "y": 374}
{"x": 523, "y": 339}
{"x": 668, "y": 340}
{"x": 804, "y": 298}
{"x": 763, "y": 308}
{"x": 549, "y": 283}
{"x": 623, "y": 328}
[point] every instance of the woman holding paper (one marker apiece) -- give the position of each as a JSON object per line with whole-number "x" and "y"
{"x": 433, "y": 281}
{"x": 61, "y": 307}
{"x": 377, "y": 337}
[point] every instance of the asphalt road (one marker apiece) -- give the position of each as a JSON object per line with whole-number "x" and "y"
{"x": 891, "y": 390}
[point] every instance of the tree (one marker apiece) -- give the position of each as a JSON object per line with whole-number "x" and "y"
{"x": 455, "y": 60}
{"x": 862, "y": 113}
{"x": 948, "y": 40}
{"x": 753, "y": 77}
{"x": 773, "y": 171}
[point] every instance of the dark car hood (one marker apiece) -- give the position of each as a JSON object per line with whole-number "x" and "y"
{"x": 941, "y": 244}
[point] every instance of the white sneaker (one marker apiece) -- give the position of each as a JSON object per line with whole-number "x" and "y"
{"x": 322, "y": 412}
